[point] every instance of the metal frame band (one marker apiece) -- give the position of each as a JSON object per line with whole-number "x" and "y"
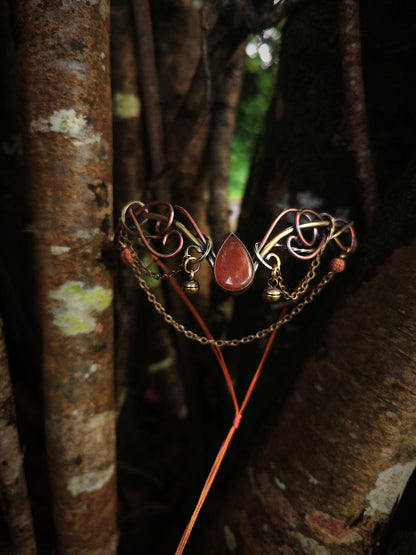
{"x": 322, "y": 229}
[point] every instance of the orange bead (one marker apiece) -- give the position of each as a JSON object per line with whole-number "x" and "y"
{"x": 126, "y": 256}
{"x": 337, "y": 265}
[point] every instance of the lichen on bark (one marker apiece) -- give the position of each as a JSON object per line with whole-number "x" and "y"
{"x": 63, "y": 55}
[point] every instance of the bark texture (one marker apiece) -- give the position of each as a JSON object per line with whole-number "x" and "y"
{"x": 149, "y": 87}
{"x": 130, "y": 165}
{"x": 301, "y": 158}
{"x": 342, "y": 451}
{"x": 194, "y": 77}
{"x": 129, "y": 173}
{"x": 14, "y": 500}
{"x": 63, "y": 52}
{"x": 350, "y": 38}
{"x": 220, "y": 143}
{"x": 226, "y": 27}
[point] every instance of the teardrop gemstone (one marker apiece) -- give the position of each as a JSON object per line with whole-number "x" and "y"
{"x": 233, "y": 268}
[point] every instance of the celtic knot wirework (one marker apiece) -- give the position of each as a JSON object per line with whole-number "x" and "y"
{"x": 307, "y": 238}
{"x": 161, "y": 221}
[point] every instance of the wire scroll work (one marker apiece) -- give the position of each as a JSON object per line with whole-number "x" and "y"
{"x": 309, "y": 235}
{"x": 136, "y": 216}
{"x": 166, "y": 230}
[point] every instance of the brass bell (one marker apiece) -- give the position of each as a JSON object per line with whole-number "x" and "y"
{"x": 190, "y": 286}
{"x": 272, "y": 294}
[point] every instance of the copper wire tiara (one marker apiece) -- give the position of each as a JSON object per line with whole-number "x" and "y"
{"x": 233, "y": 266}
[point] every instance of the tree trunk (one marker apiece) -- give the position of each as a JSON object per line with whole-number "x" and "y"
{"x": 129, "y": 153}
{"x": 342, "y": 451}
{"x": 14, "y": 500}
{"x": 301, "y": 152}
{"x": 65, "y": 72}
{"x": 220, "y": 144}
{"x": 149, "y": 88}
{"x": 129, "y": 174}
{"x": 350, "y": 38}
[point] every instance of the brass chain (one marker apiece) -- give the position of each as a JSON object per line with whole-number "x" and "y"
{"x": 137, "y": 264}
{"x": 138, "y": 267}
{"x": 303, "y": 286}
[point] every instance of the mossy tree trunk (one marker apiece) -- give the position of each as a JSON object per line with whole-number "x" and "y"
{"x": 64, "y": 62}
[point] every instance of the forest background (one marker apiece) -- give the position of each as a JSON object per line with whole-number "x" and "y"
{"x": 217, "y": 106}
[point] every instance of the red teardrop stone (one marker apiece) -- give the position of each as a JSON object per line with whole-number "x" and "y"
{"x": 233, "y": 268}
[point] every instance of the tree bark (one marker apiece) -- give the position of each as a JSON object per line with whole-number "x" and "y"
{"x": 301, "y": 148}
{"x": 129, "y": 174}
{"x": 65, "y": 73}
{"x": 342, "y": 451}
{"x": 130, "y": 164}
{"x": 150, "y": 88}
{"x": 350, "y": 39}
{"x": 220, "y": 144}
{"x": 227, "y": 26}
{"x": 14, "y": 500}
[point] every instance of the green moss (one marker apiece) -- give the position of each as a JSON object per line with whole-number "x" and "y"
{"x": 93, "y": 299}
{"x": 126, "y": 105}
{"x": 72, "y": 323}
{"x": 76, "y": 304}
